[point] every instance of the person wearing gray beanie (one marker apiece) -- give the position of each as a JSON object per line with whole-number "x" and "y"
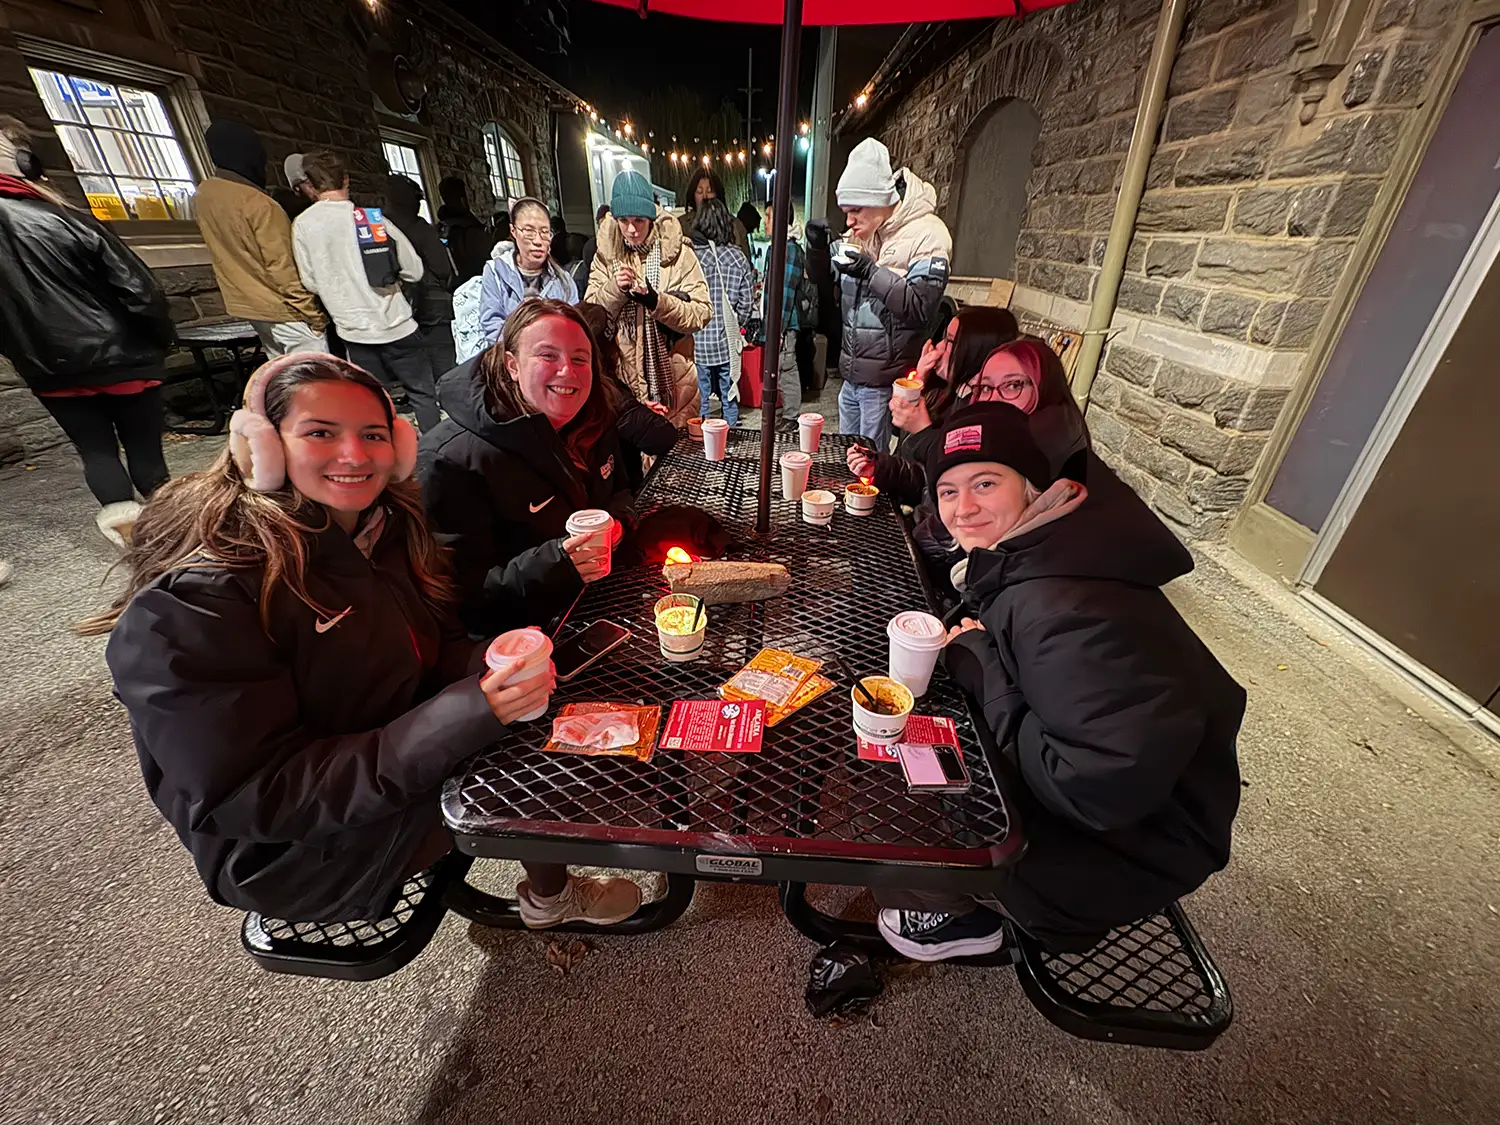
{"x": 894, "y": 267}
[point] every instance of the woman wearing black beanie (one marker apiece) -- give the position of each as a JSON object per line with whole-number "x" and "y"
{"x": 1117, "y": 719}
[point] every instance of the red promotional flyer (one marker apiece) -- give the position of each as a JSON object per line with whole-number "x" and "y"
{"x": 921, "y": 730}
{"x": 711, "y": 725}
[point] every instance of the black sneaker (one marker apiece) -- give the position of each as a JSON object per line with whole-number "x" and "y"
{"x": 937, "y": 937}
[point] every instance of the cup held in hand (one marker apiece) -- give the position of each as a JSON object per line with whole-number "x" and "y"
{"x": 518, "y": 656}
{"x": 595, "y": 522}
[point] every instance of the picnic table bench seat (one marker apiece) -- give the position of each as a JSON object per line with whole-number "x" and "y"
{"x": 362, "y": 950}
{"x": 1149, "y": 984}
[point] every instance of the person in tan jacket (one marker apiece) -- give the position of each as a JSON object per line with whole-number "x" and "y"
{"x": 648, "y": 279}
{"x": 250, "y": 240}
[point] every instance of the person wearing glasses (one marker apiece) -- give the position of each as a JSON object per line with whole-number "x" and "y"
{"x": 1027, "y": 374}
{"x": 518, "y": 270}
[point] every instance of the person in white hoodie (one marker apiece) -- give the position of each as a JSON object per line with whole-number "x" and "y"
{"x": 894, "y": 269}
{"x": 355, "y": 262}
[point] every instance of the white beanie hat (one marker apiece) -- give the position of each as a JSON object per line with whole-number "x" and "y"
{"x": 867, "y": 180}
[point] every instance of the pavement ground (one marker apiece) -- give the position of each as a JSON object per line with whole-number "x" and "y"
{"x": 1356, "y": 924}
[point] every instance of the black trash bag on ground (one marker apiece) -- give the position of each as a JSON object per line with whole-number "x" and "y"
{"x": 841, "y": 980}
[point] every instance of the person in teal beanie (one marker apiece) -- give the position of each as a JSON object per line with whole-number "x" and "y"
{"x": 651, "y": 284}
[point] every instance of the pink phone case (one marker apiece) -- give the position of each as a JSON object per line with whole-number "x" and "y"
{"x": 920, "y": 765}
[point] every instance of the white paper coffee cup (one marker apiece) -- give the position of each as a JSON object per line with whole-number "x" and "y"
{"x": 908, "y": 389}
{"x": 809, "y": 432}
{"x": 794, "y": 469}
{"x": 715, "y": 438}
{"x": 595, "y": 521}
{"x": 518, "y": 656}
{"x": 917, "y": 639}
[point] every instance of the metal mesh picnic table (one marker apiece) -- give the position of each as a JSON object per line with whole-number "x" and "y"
{"x": 804, "y": 809}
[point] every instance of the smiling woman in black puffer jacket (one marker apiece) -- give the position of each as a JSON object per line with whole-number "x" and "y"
{"x": 1117, "y": 720}
{"x": 530, "y": 439}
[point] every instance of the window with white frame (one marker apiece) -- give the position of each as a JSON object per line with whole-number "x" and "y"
{"x": 507, "y": 174}
{"x": 122, "y": 144}
{"x": 402, "y": 160}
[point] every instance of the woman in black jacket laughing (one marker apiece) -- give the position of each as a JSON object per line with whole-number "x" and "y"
{"x": 1117, "y": 719}
{"x": 529, "y": 439}
{"x": 285, "y": 649}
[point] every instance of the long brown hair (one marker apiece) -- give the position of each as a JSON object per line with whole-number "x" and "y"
{"x": 214, "y": 519}
{"x": 502, "y": 394}
{"x": 981, "y": 329}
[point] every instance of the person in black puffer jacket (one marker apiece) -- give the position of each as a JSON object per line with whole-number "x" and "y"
{"x": 86, "y": 326}
{"x": 529, "y": 440}
{"x": 297, "y": 685}
{"x": 1115, "y": 717}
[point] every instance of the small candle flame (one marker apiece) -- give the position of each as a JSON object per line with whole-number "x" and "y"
{"x": 677, "y": 555}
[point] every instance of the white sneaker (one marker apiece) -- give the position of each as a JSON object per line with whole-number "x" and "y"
{"x": 602, "y": 902}
{"x": 117, "y": 521}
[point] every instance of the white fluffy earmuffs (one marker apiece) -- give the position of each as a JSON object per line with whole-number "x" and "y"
{"x": 256, "y": 446}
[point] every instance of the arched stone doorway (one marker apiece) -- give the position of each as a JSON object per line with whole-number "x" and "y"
{"x": 992, "y": 195}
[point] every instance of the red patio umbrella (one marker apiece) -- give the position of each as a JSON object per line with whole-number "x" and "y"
{"x": 819, "y": 13}
{"x": 793, "y": 15}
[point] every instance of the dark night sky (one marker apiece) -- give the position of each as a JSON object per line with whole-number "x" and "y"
{"x": 612, "y": 57}
{"x": 614, "y": 52}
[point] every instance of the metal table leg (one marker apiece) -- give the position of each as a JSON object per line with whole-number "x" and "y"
{"x": 485, "y": 909}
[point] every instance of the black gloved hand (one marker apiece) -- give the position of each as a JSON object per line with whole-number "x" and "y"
{"x": 860, "y": 266}
{"x": 648, "y": 298}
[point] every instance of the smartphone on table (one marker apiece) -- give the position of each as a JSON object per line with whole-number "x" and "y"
{"x": 934, "y": 769}
{"x": 585, "y": 647}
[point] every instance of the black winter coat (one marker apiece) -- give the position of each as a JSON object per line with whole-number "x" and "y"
{"x": 77, "y": 309}
{"x": 431, "y": 296}
{"x": 498, "y": 494}
{"x": 1117, "y": 718}
{"x": 302, "y": 768}
{"x": 469, "y": 241}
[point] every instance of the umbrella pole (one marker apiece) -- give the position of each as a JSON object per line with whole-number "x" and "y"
{"x": 775, "y": 283}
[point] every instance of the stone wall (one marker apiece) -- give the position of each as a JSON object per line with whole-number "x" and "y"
{"x": 1247, "y": 223}
{"x": 296, "y": 71}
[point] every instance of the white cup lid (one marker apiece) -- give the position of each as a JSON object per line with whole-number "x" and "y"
{"x": 795, "y": 460}
{"x": 918, "y": 630}
{"x": 511, "y": 652}
{"x": 715, "y": 424}
{"x": 589, "y": 519}
{"x": 810, "y": 419}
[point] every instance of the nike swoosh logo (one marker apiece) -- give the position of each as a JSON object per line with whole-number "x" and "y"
{"x": 324, "y": 626}
{"x": 535, "y": 508}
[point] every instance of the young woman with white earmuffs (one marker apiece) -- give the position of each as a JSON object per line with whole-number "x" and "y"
{"x": 298, "y": 687}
